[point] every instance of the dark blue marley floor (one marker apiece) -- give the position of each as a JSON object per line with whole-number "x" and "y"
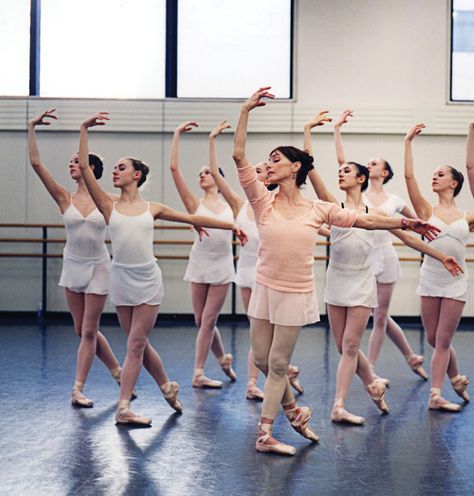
{"x": 49, "y": 448}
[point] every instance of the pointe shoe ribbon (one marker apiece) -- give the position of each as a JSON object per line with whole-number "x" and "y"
{"x": 78, "y": 399}
{"x": 340, "y": 415}
{"x": 299, "y": 418}
{"x": 460, "y": 383}
{"x": 125, "y": 416}
{"x": 203, "y": 382}
{"x": 376, "y": 391}
{"x": 268, "y": 444}
{"x": 170, "y": 394}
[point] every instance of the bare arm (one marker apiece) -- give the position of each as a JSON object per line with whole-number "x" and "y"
{"x": 164, "y": 212}
{"x": 102, "y": 200}
{"x": 59, "y": 194}
{"x": 343, "y": 119}
{"x": 449, "y": 262}
{"x": 470, "y": 156}
{"x": 408, "y": 212}
{"x": 189, "y": 199}
{"x": 231, "y": 197}
{"x": 240, "y": 138}
{"x": 420, "y": 203}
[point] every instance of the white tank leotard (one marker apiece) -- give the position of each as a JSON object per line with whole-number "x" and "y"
{"x": 211, "y": 260}
{"x": 350, "y": 280}
{"x": 135, "y": 277}
{"x": 247, "y": 264}
{"x": 386, "y": 265}
{"x": 435, "y": 280}
{"x": 86, "y": 260}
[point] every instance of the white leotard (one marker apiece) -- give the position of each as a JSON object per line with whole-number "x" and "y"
{"x": 350, "y": 280}
{"x": 86, "y": 261}
{"x": 385, "y": 258}
{"x": 435, "y": 280}
{"x": 246, "y": 266}
{"x": 211, "y": 260}
{"x": 135, "y": 277}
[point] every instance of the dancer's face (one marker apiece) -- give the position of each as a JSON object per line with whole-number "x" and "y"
{"x": 347, "y": 177}
{"x": 74, "y": 170}
{"x": 443, "y": 180}
{"x": 376, "y": 168}
{"x": 205, "y": 178}
{"x": 279, "y": 168}
{"x": 124, "y": 173}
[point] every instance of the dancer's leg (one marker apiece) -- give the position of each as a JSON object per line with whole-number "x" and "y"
{"x": 252, "y": 370}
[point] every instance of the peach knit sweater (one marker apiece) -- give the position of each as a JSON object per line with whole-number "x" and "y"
{"x": 285, "y": 254}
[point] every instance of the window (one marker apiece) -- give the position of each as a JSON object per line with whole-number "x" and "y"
{"x": 14, "y": 47}
{"x": 462, "y": 51}
{"x": 227, "y": 49}
{"x": 103, "y": 49}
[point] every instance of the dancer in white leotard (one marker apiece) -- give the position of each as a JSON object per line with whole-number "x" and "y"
{"x": 384, "y": 257}
{"x": 246, "y": 265}
{"x": 86, "y": 261}
{"x": 136, "y": 283}
{"x": 211, "y": 266}
{"x": 442, "y": 300}
{"x": 350, "y": 291}
{"x": 470, "y": 156}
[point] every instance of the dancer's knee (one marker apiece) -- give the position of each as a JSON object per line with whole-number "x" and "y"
{"x": 279, "y": 366}
{"x": 136, "y": 345}
{"x": 261, "y": 362}
{"x": 350, "y": 348}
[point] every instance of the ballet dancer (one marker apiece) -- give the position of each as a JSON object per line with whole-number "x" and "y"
{"x": 283, "y": 298}
{"x": 246, "y": 265}
{"x": 211, "y": 265}
{"x": 384, "y": 257}
{"x": 136, "y": 283}
{"x": 350, "y": 292}
{"x": 470, "y": 156}
{"x": 86, "y": 261}
{"x": 442, "y": 298}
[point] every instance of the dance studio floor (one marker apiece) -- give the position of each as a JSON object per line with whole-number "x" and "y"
{"x": 49, "y": 448}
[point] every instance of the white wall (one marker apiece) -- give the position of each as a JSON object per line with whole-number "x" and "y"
{"x": 386, "y": 60}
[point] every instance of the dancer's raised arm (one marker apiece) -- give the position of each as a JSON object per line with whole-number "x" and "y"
{"x": 317, "y": 182}
{"x": 59, "y": 194}
{"x": 240, "y": 139}
{"x": 421, "y": 205}
{"x": 343, "y": 119}
{"x": 470, "y": 156}
{"x": 102, "y": 200}
{"x": 189, "y": 199}
{"x": 234, "y": 200}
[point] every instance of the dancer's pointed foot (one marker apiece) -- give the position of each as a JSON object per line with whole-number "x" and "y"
{"x": 383, "y": 380}
{"x": 299, "y": 420}
{"x": 340, "y": 415}
{"x": 125, "y": 416}
{"x": 415, "y": 362}
{"x": 293, "y": 373}
{"x": 226, "y": 365}
{"x": 376, "y": 391}
{"x": 266, "y": 443}
{"x": 253, "y": 391}
{"x": 117, "y": 374}
{"x": 78, "y": 399}
{"x": 460, "y": 383}
{"x": 170, "y": 393}
{"x": 437, "y": 402}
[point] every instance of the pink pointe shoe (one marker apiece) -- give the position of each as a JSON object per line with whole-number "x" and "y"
{"x": 226, "y": 365}
{"x": 266, "y": 443}
{"x": 415, "y": 362}
{"x": 125, "y": 416}
{"x": 170, "y": 394}
{"x": 78, "y": 399}
{"x": 437, "y": 402}
{"x": 340, "y": 415}
{"x": 376, "y": 391}
{"x": 203, "y": 382}
{"x": 299, "y": 420}
{"x": 253, "y": 391}
{"x": 293, "y": 373}
{"x": 460, "y": 383}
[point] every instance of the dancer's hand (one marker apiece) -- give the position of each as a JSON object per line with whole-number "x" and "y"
{"x": 40, "y": 120}
{"x": 219, "y": 129}
{"x": 421, "y": 227}
{"x": 98, "y": 119}
{"x": 318, "y": 120}
{"x": 344, "y": 118}
{"x": 201, "y": 232}
{"x": 186, "y": 126}
{"x": 451, "y": 264}
{"x": 256, "y": 99}
{"x": 414, "y": 131}
{"x": 241, "y": 235}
